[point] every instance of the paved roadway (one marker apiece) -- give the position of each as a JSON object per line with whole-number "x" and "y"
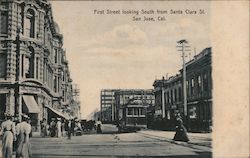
{"x": 140, "y": 144}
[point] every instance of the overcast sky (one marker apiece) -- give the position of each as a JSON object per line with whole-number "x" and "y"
{"x": 112, "y": 51}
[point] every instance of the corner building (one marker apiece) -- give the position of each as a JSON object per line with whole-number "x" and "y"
{"x": 34, "y": 73}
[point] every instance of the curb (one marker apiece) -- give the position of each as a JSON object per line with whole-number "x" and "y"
{"x": 172, "y": 141}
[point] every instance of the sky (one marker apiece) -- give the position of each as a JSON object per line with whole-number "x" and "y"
{"x": 107, "y": 51}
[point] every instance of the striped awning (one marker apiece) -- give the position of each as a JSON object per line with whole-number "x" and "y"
{"x": 31, "y": 104}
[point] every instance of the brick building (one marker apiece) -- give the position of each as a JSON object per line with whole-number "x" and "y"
{"x": 34, "y": 72}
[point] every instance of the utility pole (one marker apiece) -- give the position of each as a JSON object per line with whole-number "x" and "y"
{"x": 163, "y": 99}
{"x": 183, "y": 47}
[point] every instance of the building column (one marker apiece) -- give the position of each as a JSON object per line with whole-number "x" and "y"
{"x": 163, "y": 103}
{"x": 20, "y": 106}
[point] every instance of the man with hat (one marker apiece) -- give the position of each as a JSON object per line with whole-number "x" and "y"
{"x": 8, "y": 132}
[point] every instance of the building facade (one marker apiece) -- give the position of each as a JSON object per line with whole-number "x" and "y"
{"x": 169, "y": 95}
{"x": 107, "y": 98}
{"x": 34, "y": 72}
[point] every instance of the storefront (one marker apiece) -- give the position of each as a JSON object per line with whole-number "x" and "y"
{"x": 199, "y": 114}
{"x": 31, "y": 108}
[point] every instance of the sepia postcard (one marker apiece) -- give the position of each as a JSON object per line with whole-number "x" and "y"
{"x": 124, "y": 79}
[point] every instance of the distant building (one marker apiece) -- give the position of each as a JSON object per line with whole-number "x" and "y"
{"x": 34, "y": 73}
{"x": 169, "y": 95}
{"x": 107, "y": 98}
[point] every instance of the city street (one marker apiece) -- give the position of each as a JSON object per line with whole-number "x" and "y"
{"x": 141, "y": 144}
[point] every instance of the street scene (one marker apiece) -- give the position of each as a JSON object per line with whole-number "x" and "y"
{"x": 99, "y": 80}
{"x": 146, "y": 143}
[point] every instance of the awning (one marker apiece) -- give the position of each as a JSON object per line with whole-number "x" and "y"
{"x": 58, "y": 112}
{"x": 31, "y": 104}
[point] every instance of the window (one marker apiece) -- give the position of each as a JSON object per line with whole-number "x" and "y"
{"x": 199, "y": 84}
{"x": 193, "y": 112}
{"x": 30, "y": 23}
{"x": 175, "y": 94}
{"x": 136, "y": 111}
{"x": 2, "y": 65}
{"x": 205, "y": 82}
{"x": 37, "y": 63}
{"x": 192, "y": 86}
{"x": 29, "y": 64}
{"x": 55, "y": 56}
{"x": 55, "y": 84}
{"x": 130, "y": 111}
{"x": 4, "y": 22}
{"x": 180, "y": 94}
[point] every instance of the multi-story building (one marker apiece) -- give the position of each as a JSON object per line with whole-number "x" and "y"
{"x": 132, "y": 104}
{"x": 34, "y": 73}
{"x": 169, "y": 95}
{"x": 108, "y": 108}
{"x": 199, "y": 91}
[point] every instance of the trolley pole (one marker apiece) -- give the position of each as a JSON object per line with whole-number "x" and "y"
{"x": 183, "y": 48}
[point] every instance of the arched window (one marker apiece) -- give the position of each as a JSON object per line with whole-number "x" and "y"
{"x": 30, "y": 23}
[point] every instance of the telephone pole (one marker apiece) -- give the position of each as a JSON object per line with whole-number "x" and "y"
{"x": 183, "y": 47}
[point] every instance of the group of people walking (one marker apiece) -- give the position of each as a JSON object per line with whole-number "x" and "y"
{"x": 59, "y": 128}
{"x": 54, "y": 129}
{"x": 18, "y": 133}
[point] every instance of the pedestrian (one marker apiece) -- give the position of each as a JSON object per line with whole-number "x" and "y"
{"x": 23, "y": 143}
{"x": 181, "y": 131}
{"x": 59, "y": 128}
{"x": 68, "y": 128}
{"x": 52, "y": 128}
{"x": 73, "y": 124}
{"x": 8, "y": 132}
{"x": 98, "y": 126}
{"x": 44, "y": 128}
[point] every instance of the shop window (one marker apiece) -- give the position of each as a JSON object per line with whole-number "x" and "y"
{"x": 4, "y": 22}
{"x": 193, "y": 112}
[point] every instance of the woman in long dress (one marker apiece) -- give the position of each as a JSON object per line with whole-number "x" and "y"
{"x": 8, "y": 131}
{"x": 98, "y": 127}
{"x": 181, "y": 131}
{"x": 23, "y": 144}
{"x": 59, "y": 128}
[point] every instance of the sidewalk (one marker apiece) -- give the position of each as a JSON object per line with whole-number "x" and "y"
{"x": 201, "y": 139}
